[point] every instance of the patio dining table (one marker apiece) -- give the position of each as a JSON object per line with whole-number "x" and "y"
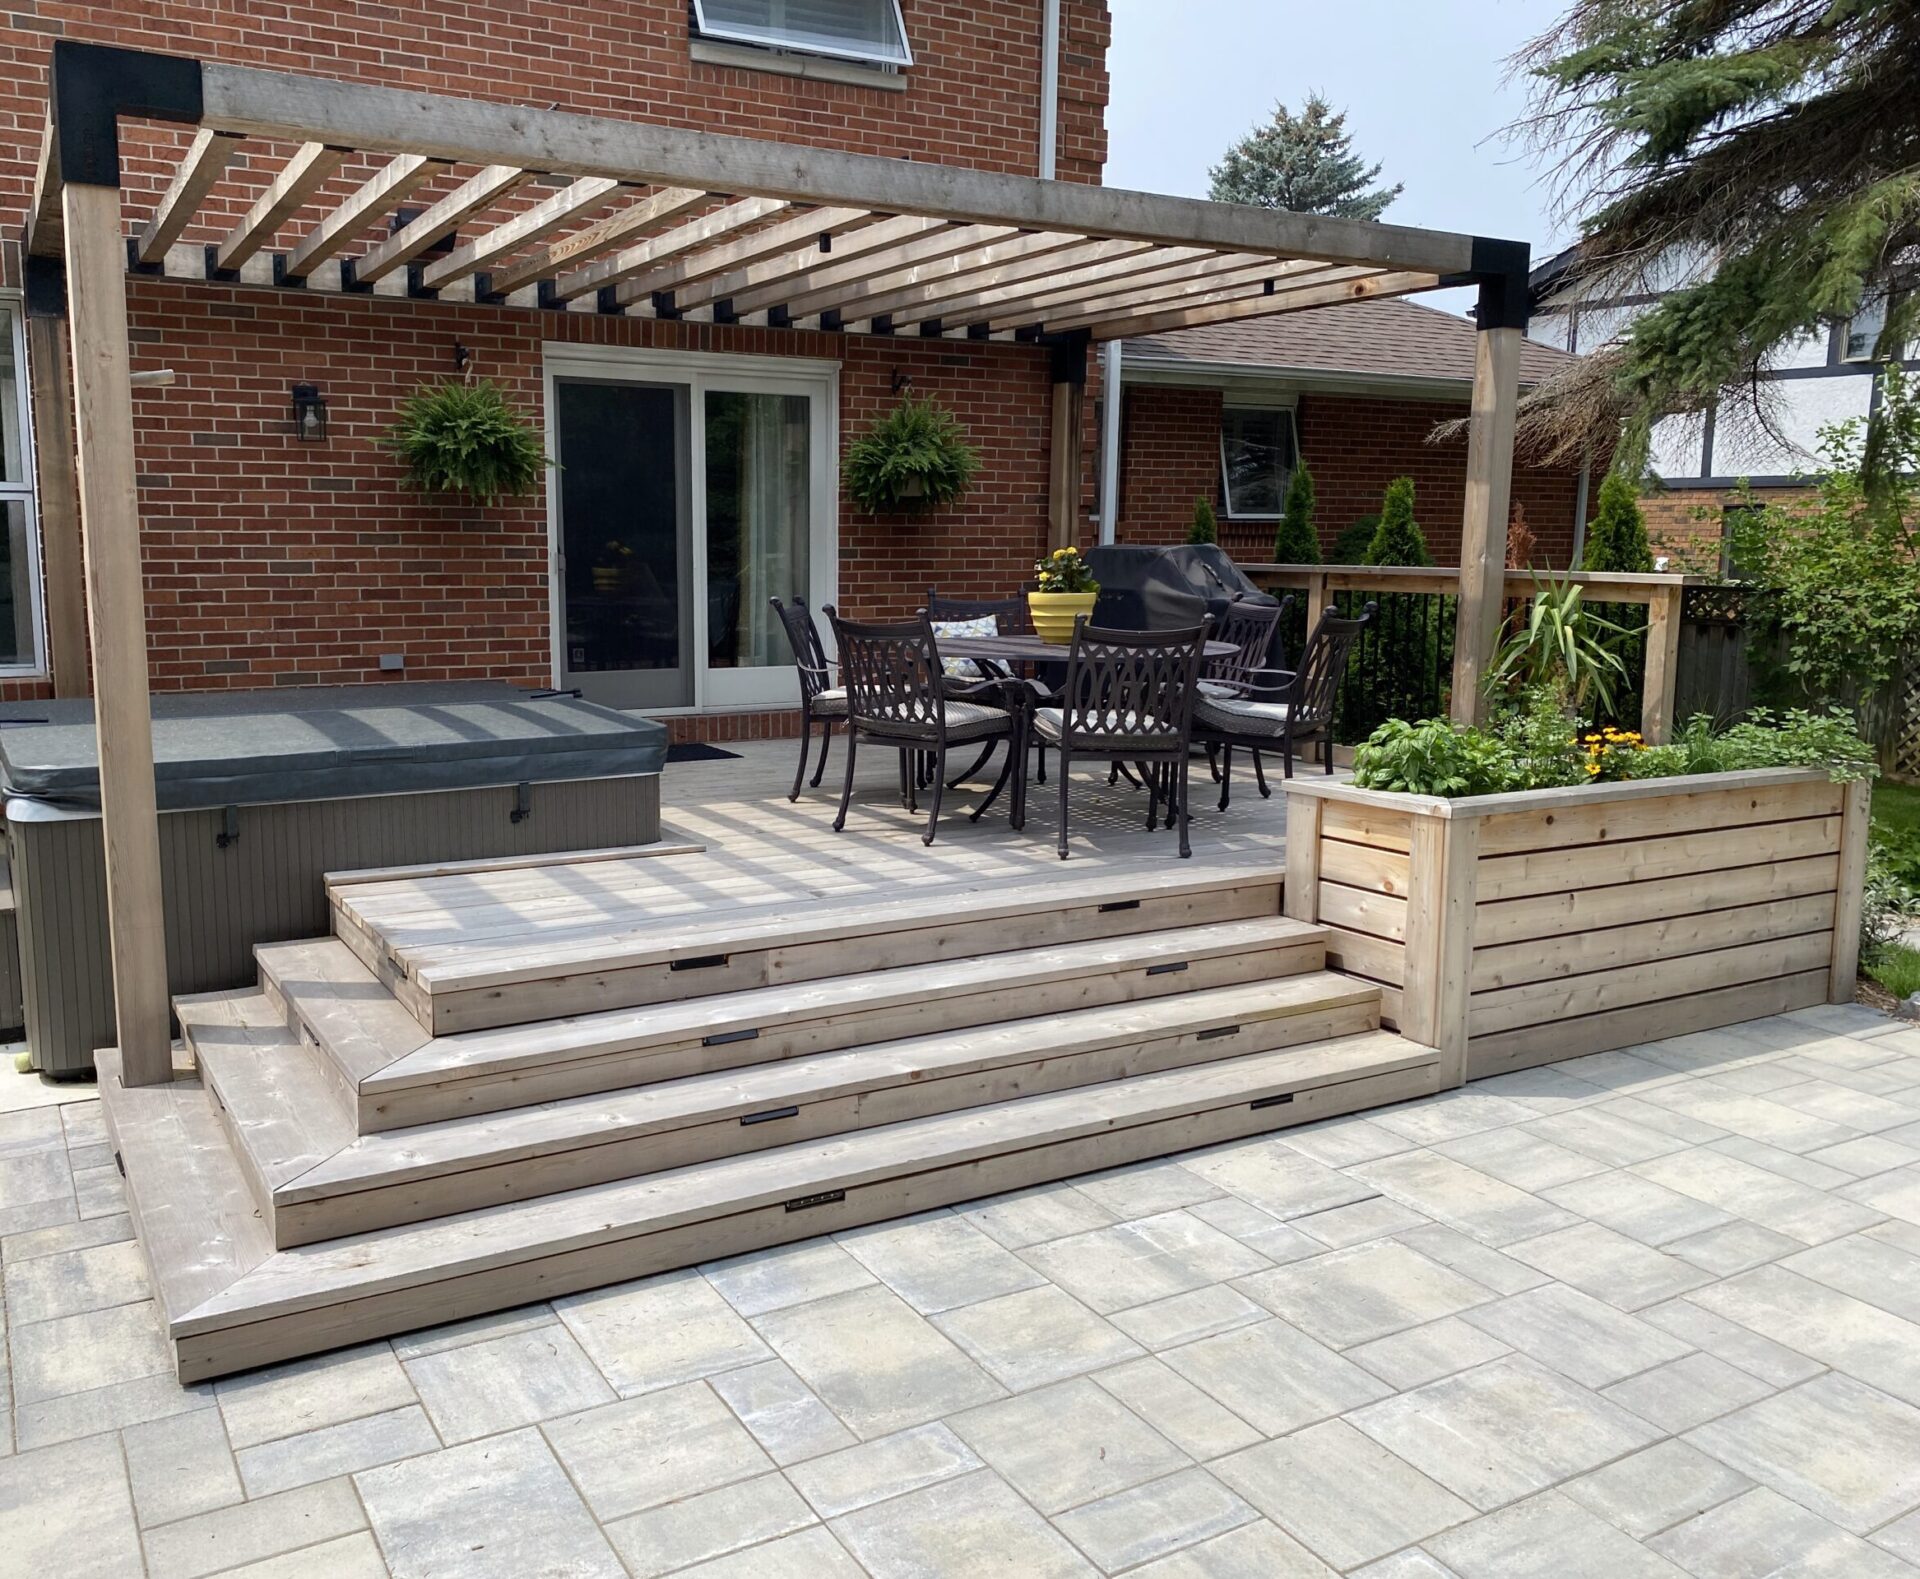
{"x": 1026, "y": 648}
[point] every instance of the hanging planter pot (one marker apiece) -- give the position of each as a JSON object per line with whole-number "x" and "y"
{"x": 464, "y": 438}
{"x": 913, "y": 459}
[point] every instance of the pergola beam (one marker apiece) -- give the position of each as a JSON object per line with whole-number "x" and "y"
{"x": 772, "y": 241}
{"x": 1234, "y": 285}
{"x": 1214, "y": 279}
{"x": 477, "y": 192}
{"x": 927, "y": 302}
{"x": 396, "y": 120}
{"x": 637, "y": 219}
{"x": 205, "y": 162}
{"x": 938, "y": 240}
{"x": 1065, "y": 278}
{"x": 311, "y": 167}
{"x": 396, "y": 181}
{"x": 929, "y": 281}
{"x": 1261, "y": 305}
{"x": 545, "y": 217}
{"x": 695, "y": 233}
{"x": 766, "y": 283}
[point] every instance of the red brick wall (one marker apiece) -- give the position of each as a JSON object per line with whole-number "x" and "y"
{"x": 272, "y": 562}
{"x": 1354, "y": 446}
{"x": 972, "y": 96}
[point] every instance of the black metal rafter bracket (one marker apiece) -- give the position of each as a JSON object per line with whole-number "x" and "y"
{"x": 1500, "y": 269}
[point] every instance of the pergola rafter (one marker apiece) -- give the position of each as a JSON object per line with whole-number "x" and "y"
{"x": 721, "y": 228}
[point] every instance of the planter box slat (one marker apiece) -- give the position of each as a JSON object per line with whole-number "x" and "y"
{"x": 1511, "y": 832}
{"x": 1511, "y": 930}
{"x": 1552, "y": 915}
{"x": 1542, "y": 1003}
{"x": 1645, "y": 860}
{"x": 1609, "y": 948}
{"x": 1600, "y": 1033}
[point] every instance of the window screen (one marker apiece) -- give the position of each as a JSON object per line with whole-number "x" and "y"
{"x": 850, "y": 29}
{"x": 1256, "y": 459}
{"x": 1863, "y": 331}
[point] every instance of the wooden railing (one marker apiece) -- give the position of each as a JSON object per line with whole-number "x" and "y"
{"x": 1660, "y": 595}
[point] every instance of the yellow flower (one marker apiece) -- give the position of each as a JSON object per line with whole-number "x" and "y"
{"x": 1593, "y": 767}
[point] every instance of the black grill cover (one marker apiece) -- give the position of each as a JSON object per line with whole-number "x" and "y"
{"x": 1166, "y": 588}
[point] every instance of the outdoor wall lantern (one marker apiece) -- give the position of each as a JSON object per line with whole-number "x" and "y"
{"x": 309, "y": 414}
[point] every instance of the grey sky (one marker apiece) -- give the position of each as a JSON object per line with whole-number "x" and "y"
{"x": 1422, "y": 82}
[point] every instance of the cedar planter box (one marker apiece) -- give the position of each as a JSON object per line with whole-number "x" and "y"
{"x": 1512, "y": 930}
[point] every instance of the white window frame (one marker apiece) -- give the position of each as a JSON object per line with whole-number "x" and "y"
{"x": 758, "y": 688}
{"x": 1279, "y": 407}
{"x": 25, "y": 491}
{"x": 770, "y": 39}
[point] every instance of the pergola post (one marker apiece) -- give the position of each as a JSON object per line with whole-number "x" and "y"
{"x": 1502, "y": 323}
{"x": 116, "y": 602}
{"x": 1069, "y": 371}
{"x": 50, "y": 369}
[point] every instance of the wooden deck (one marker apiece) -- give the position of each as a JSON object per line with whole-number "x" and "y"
{"x": 497, "y": 1083}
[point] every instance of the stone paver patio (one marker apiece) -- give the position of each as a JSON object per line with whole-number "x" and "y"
{"x": 1646, "y": 1313}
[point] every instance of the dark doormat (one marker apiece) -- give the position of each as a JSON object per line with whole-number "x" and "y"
{"x": 697, "y": 751}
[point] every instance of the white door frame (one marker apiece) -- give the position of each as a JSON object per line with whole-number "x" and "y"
{"x": 701, "y": 371}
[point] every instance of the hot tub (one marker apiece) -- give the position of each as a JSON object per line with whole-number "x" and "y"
{"x": 262, "y": 793}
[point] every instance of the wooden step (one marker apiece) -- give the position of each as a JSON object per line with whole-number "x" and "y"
{"x": 271, "y": 1089}
{"x": 408, "y": 1176}
{"x": 473, "y": 980}
{"x": 404, "y": 1077}
{"x": 317, "y": 1297}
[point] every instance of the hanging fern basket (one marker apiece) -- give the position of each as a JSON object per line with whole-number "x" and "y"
{"x": 466, "y": 439}
{"x": 914, "y": 459}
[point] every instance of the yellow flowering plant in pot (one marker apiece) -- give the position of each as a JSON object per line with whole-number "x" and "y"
{"x": 1063, "y": 590}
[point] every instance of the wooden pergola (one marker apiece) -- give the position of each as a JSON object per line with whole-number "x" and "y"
{"x": 575, "y": 213}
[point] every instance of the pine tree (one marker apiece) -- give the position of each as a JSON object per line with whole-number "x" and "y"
{"x": 1617, "y": 534}
{"x": 1397, "y": 540}
{"x": 1305, "y": 163}
{"x": 1204, "y": 529}
{"x": 1295, "y": 542}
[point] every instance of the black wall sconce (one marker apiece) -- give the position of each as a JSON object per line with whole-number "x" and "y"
{"x": 309, "y": 414}
{"x": 902, "y": 382}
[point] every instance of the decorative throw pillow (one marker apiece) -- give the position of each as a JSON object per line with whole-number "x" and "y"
{"x": 965, "y": 668}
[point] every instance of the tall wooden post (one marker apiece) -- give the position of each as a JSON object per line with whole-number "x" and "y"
{"x": 1664, "y": 612}
{"x": 1483, "y": 528}
{"x": 59, "y": 501}
{"x": 1069, "y": 370}
{"x": 116, "y": 602}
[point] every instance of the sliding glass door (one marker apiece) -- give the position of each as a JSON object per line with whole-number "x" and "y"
{"x": 691, "y": 489}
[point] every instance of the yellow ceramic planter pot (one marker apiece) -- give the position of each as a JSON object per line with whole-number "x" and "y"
{"x": 1054, "y": 613}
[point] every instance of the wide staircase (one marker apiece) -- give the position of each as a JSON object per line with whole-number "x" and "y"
{"x": 442, "y": 1110}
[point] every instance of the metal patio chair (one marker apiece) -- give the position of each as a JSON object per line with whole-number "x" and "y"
{"x": 1247, "y": 673}
{"x": 898, "y": 696}
{"x": 820, "y": 701}
{"x": 1129, "y": 697}
{"x": 1302, "y": 709}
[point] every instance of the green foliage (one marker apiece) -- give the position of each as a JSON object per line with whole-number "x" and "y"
{"x": 1896, "y": 966}
{"x": 1398, "y": 540}
{"x": 1842, "y": 567}
{"x": 1617, "y": 534}
{"x": 1205, "y": 528}
{"x": 464, "y": 438}
{"x": 1542, "y": 742}
{"x": 1561, "y": 643}
{"x": 1537, "y": 746}
{"x": 1350, "y": 547}
{"x": 1305, "y": 163}
{"x": 914, "y": 458}
{"x": 1064, "y": 571}
{"x": 1295, "y": 542}
{"x": 1776, "y": 137}
{"x": 1435, "y": 757}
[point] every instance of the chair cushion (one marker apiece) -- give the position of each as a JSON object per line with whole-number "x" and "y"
{"x": 964, "y": 668}
{"x": 831, "y": 704}
{"x": 1049, "y": 723}
{"x": 1219, "y": 688}
{"x": 1232, "y": 716}
{"x": 965, "y": 721}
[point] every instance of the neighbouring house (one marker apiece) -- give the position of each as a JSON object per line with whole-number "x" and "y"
{"x": 1701, "y": 460}
{"x": 698, "y": 425}
{"x": 1225, "y": 412}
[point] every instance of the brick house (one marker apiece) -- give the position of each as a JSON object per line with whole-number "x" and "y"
{"x": 271, "y": 561}
{"x": 1354, "y": 391}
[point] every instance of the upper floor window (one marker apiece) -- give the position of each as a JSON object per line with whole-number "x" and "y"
{"x": 866, "y": 30}
{"x": 19, "y": 533}
{"x": 1256, "y": 460}
{"x": 1864, "y": 329}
